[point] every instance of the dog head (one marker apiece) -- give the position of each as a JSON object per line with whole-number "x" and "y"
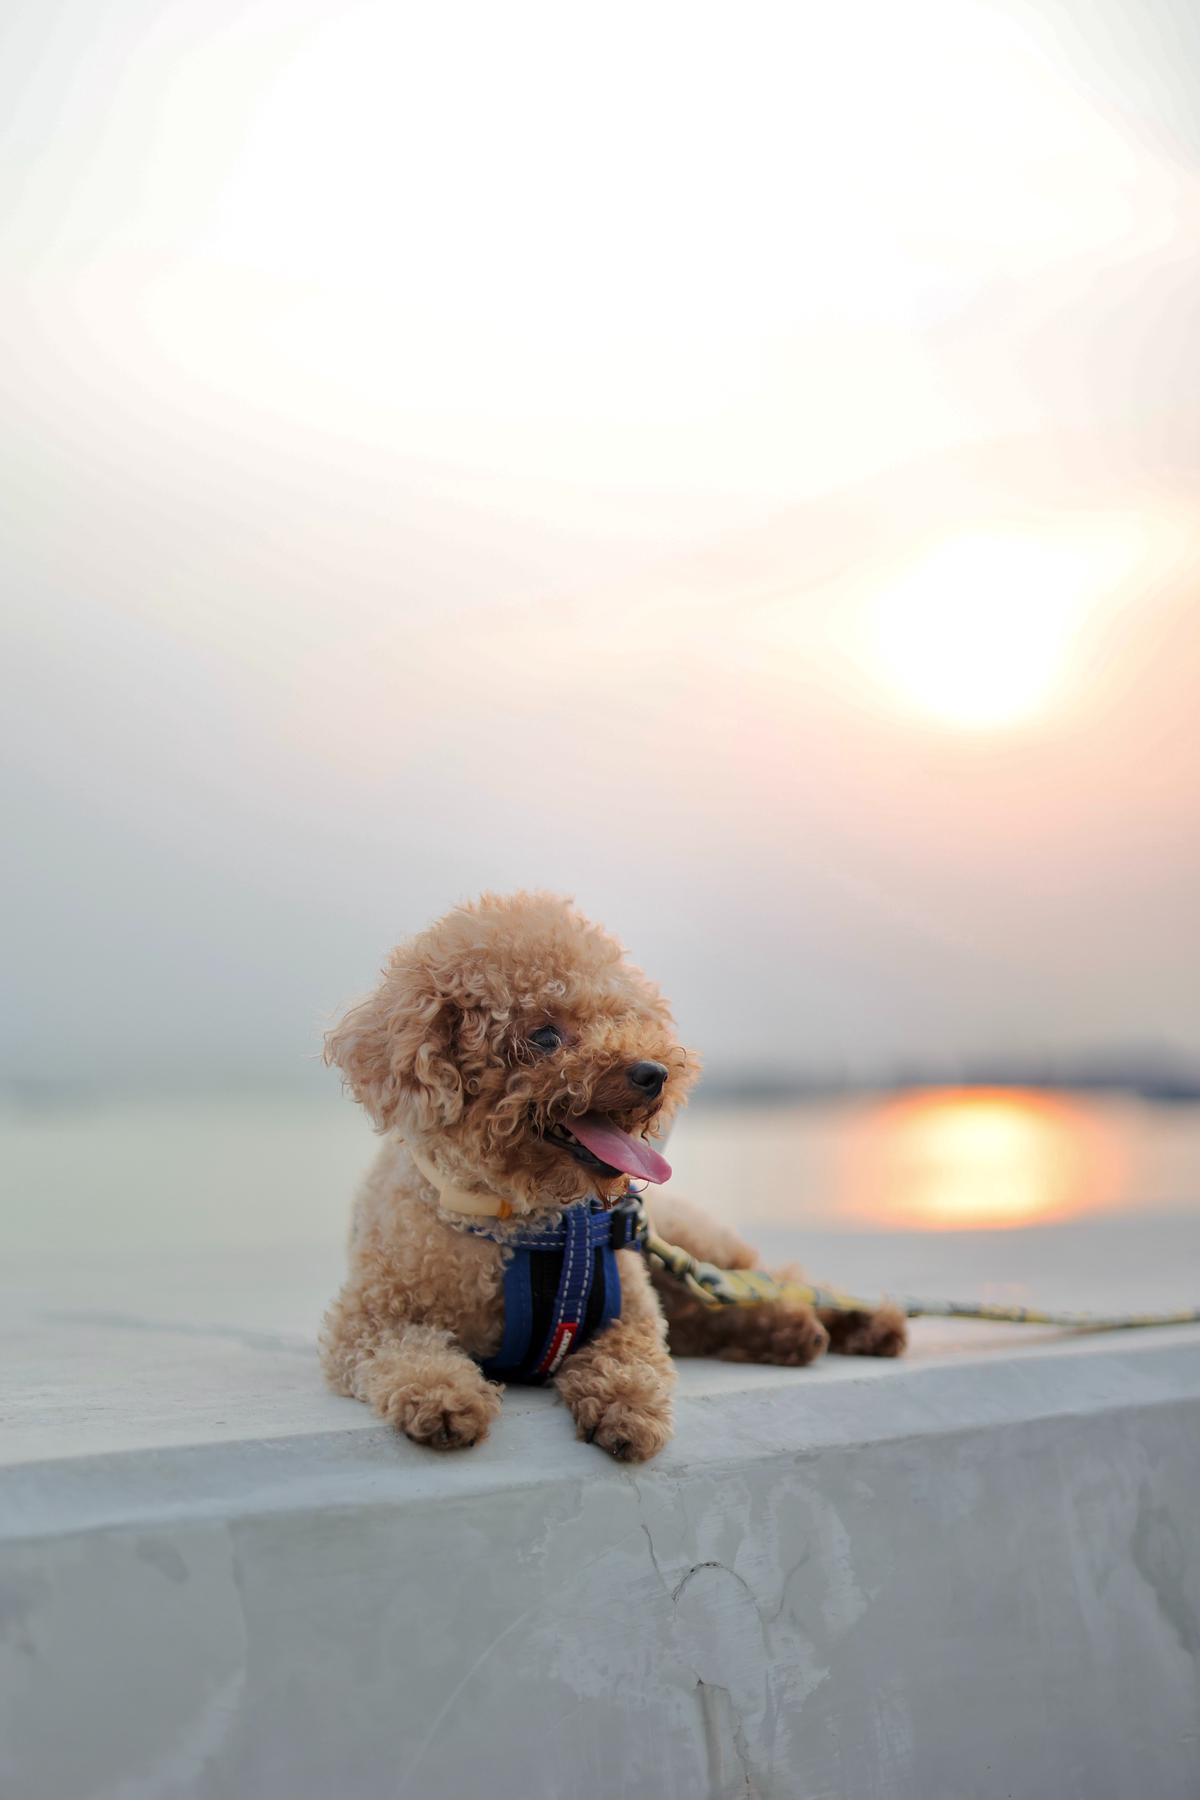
{"x": 518, "y": 1053}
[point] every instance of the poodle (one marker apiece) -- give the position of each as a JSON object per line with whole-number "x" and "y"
{"x": 518, "y": 1066}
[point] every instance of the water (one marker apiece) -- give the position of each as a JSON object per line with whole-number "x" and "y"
{"x": 266, "y": 1169}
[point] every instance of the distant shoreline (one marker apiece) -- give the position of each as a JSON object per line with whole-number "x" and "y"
{"x": 1162, "y": 1086}
{"x": 1163, "y": 1090}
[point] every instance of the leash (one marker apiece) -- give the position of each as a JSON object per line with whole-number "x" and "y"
{"x": 751, "y": 1287}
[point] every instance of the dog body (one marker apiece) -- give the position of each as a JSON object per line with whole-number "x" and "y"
{"x": 519, "y": 1065}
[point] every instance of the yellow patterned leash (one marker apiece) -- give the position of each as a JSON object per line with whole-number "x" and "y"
{"x": 750, "y": 1287}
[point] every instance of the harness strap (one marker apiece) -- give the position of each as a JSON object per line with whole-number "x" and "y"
{"x": 621, "y": 1225}
{"x": 570, "y": 1302}
{"x": 562, "y": 1285}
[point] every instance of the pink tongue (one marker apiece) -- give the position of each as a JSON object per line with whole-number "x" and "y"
{"x": 633, "y": 1156}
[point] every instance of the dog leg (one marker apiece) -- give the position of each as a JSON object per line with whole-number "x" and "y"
{"x": 422, "y": 1383}
{"x": 619, "y": 1386}
{"x": 414, "y": 1376}
{"x": 883, "y": 1332}
{"x": 778, "y": 1332}
{"x": 770, "y": 1332}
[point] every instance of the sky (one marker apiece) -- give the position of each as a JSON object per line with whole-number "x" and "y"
{"x": 734, "y": 465}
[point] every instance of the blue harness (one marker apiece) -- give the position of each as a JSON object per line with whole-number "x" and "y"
{"x": 561, "y": 1286}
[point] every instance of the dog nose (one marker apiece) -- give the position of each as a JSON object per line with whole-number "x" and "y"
{"x": 648, "y": 1078}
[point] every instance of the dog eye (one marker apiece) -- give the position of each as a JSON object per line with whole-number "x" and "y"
{"x": 546, "y": 1038}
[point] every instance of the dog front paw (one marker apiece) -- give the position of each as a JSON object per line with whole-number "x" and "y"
{"x": 626, "y": 1412}
{"x": 451, "y": 1416}
{"x": 628, "y": 1429}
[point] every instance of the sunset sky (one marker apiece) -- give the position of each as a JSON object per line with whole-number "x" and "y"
{"x": 738, "y": 466}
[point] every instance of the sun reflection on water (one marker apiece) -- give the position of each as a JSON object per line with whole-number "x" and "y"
{"x": 984, "y": 1158}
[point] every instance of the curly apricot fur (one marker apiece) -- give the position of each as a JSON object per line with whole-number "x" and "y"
{"x": 441, "y": 1058}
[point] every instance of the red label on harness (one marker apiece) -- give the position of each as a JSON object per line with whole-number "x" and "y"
{"x": 560, "y": 1343}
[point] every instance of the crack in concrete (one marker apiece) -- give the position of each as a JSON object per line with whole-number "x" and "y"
{"x": 714, "y": 1737}
{"x": 733, "y": 1726}
{"x": 640, "y": 1498}
{"x": 725, "y": 1570}
{"x": 666, "y": 1586}
{"x": 764, "y": 1619}
{"x": 724, "y": 1726}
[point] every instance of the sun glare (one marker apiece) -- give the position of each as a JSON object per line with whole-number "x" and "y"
{"x": 984, "y": 1158}
{"x": 977, "y": 635}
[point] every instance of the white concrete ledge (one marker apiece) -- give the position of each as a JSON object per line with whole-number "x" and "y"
{"x": 973, "y": 1575}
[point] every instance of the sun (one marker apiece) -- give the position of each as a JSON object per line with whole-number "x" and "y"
{"x": 984, "y": 1158}
{"x": 977, "y": 635}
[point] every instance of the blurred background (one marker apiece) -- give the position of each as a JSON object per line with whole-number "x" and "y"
{"x": 735, "y": 465}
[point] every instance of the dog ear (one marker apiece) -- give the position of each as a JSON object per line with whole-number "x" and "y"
{"x": 395, "y": 1049}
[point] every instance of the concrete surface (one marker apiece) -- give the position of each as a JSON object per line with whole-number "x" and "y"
{"x": 972, "y": 1576}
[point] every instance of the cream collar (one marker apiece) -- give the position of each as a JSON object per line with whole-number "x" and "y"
{"x": 460, "y": 1200}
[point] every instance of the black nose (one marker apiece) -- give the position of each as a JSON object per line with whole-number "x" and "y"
{"x": 648, "y": 1078}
